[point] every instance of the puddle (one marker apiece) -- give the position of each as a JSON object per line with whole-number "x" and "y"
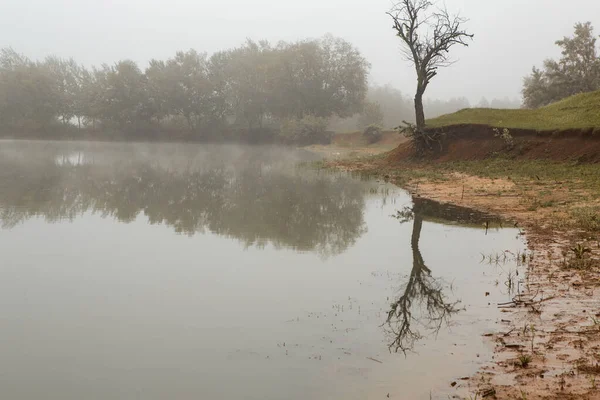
{"x": 220, "y": 272}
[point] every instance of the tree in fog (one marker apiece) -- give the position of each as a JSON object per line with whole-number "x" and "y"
{"x": 188, "y": 91}
{"x": 161, "y": 88}
{"x": 28, "y": 93}
{"x": 124, "y": 97}
{"x": 438, "y": 107}
{"x": 94, "y": 86}
{"x": 322, "y": 77}
{"x": 370, "y": 115}
{"x": 188, "y": 86}
{"x": 505, "y": 103}
{"x": 395, "y": 106}
{"x": 67, "y": 77}
{"x": 249, "y": 74}
{"x": 483, "y": 103}
{"x": 344, "y": 77}
{"x": 427, "y": 36}
{"x": 577, "y": 71}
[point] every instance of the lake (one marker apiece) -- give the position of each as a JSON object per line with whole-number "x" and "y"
{"x": 180, "y": 271}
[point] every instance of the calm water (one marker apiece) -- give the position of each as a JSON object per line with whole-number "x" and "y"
{"x": 223, "y": 272}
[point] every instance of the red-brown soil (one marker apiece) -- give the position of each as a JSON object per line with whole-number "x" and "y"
{"x": 478, "y": 142}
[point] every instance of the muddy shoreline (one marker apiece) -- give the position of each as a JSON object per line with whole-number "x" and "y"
{"x": 547, "y": 345}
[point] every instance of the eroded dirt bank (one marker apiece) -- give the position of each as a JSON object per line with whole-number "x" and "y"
{"x": 547, "y": 345}
{"x": 478, "y": 142}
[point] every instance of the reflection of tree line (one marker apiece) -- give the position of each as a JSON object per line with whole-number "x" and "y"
{"x": 253, "y": 201}
{"x": 423, "y": 306}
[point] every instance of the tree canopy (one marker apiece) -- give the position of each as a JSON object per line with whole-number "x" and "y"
{"x": 577, "y": 71}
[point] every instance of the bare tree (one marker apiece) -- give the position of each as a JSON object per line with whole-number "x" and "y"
{"x": 427, "y": 36}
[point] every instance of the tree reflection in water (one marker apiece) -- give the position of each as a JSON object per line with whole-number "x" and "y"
{"x": 255, "y": 195}
{"x": 423, "y": 308}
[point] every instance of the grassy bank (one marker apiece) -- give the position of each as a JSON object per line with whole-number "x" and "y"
{"x": 577, "y": 112}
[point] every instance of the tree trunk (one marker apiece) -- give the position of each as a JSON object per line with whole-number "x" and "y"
{"x": 416, "y": 235}
{"x": 419, "y": 113}
{"x": 188, "y": 117}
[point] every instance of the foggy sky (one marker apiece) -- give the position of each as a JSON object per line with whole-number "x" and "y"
{"x": 510, "y": 35}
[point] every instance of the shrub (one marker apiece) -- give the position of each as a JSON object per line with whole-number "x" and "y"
{"x": 506, "y": 137}
{"x": 305, "y": 131}
{"x": 373, "y": 133}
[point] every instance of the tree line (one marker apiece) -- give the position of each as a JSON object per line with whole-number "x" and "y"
{"x": 255, "y": 92}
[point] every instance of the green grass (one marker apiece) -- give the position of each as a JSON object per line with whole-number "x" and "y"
{"x": 573, "y": 175}
{"x": 524, "y": 360}
{"x": 587, "y": 218}
{"x": 576, "y": 112}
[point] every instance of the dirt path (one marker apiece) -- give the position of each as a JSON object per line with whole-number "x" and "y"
{"x": 547, "y": 345}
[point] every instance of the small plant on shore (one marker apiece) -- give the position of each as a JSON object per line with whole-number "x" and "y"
{"x": 532, "y": 330}
{"x": 523, "y": 259}
{"x": 510, "y": 281}
{"x": 596, "y": 322}
{"x": 580, "y": 251}
{"x": 524, "y": 360}
{"x": 579, "y": 258}
{"x": 562, "y": 382}
{"x": 506, "y": 137}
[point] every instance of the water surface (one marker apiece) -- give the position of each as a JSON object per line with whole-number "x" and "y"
{"x": 225, "y": 272}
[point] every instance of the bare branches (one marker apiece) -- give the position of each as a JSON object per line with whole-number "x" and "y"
{"x": 408, "y": 18}
{"x": 427, "y": 36}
